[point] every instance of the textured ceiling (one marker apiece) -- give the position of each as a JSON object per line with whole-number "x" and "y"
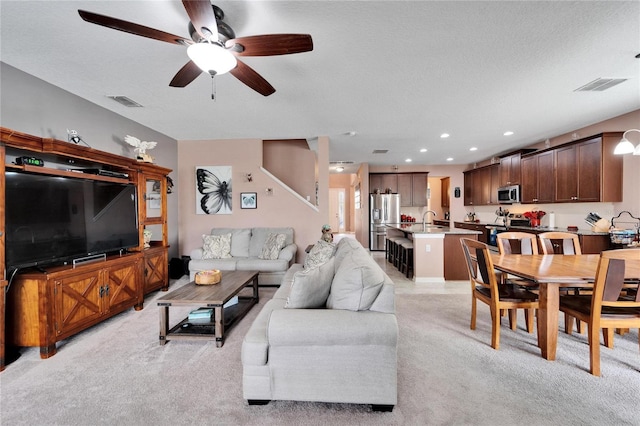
{"x": 397, "y": 73}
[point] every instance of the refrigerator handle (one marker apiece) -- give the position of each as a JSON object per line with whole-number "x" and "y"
{"x": 385, "y": 208}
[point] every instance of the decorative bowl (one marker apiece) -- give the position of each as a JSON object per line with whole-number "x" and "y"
{"x": 208, "y": 277}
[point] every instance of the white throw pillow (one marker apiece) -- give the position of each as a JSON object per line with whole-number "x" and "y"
{"x": 272, "y": 246}
{"x": 310, "y": 287}
{"x": 319, "y": 254}
{"x": 216, "y": 246}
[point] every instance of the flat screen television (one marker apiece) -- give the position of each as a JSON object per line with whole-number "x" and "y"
{"x": 52, "y": 220}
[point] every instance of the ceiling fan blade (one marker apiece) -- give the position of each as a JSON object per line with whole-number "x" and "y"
{"x": 131, "y": 28}
{"x": 186, "y": 75}
{"x": 202, "y": 17}
{"x": 248, "y": 76}
{"x": 271, "y": 44}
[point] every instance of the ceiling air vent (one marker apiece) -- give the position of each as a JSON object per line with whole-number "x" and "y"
{"x": 340, "y": 163}
{"x": 125, "y": 101}
{"x": 600, "y": 84}
{"x": 380, "y": 151}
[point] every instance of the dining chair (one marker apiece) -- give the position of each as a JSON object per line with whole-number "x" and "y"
{"x": 609, "y": 307}
{"x": 485, "y": 287}
{"x": 559, "y": 243}
{"x": 568, "y": 244}
{"x": 517, "y": 243}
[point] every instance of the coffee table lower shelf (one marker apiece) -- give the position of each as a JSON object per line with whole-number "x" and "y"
{"x": 186, "y": 330}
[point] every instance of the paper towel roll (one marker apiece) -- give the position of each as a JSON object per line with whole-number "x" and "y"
{"x": 552, "y": 220}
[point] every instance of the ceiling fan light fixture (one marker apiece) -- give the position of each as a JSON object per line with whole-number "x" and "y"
{"x": 212, "y": 58}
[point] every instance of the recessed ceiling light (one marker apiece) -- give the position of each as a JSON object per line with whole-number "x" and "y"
{"x": 408, "y": 160}
{"x": 473, "y": 148}
{"x": 339, "y": 169}
{"x": 444, "y": 135}
{"x": 450, "y": 159}
{"x": 508, "y": 133}
{"x": 423, "y": 150}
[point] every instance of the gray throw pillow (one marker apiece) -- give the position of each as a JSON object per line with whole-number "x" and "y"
{"x": 356, "y": 284}
{"x": 272, "y": 246}
{"x": 310, "y": 287}
{"x": 319, "y": 254}
{"x": 216, "y": 246}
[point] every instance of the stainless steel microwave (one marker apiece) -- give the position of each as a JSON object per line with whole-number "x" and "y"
{"x": 509, "y": 194}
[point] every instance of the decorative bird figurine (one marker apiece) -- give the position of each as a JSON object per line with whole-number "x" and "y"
{"x": 141, "y": 148}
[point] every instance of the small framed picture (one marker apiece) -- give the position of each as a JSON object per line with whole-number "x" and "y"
{"x": 248, "y": 200}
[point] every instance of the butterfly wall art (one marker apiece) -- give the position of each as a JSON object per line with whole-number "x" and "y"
{"x": 213, "y": 189}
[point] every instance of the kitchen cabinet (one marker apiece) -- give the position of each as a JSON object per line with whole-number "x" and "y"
{"x": 483, "y": 237}
{"x": 383, "y": 181}
{"x": 536, "y": 171}
{"x": 588, "y": 171}
{"x": 510, "y": 170}
{"x": 445, "y": 188}
{"x": 481, "y": 186}
{"x": 412, "y": 187}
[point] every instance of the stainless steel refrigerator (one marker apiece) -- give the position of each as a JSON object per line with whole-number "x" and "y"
{"x": 384, "y": 209}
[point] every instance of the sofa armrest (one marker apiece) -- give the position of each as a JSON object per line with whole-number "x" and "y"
{"x": 196, "y": 254}
{"x": 288, "y": 252}
{"x": 322, "y": 327}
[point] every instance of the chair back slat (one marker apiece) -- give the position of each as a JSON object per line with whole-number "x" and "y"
{"x": 614, "y": 280}
{"x": 482, "y": 265}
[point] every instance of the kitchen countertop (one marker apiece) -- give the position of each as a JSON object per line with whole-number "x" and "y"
{"x": 417, "y": 228}
{"x": 538, "y": 228}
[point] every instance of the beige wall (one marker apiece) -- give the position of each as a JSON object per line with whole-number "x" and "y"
{"x": 283, "y": 208}
{"x": 300, "y": 175}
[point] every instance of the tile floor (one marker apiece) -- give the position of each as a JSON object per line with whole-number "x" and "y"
{"x": 408, "y": 286}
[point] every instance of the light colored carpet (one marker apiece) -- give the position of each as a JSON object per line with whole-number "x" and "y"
{"x": 117, "y": 373}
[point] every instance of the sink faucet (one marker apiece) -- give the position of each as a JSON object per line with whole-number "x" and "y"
{"x": 425, "y": 213}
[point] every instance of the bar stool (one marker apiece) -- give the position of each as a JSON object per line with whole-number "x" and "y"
{"x": 390, "y": 246}
{"x": 406, "y": 265}
{"x": 397, "y": 261}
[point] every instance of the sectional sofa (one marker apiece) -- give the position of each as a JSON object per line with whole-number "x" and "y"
{"x": 329, "y": 334}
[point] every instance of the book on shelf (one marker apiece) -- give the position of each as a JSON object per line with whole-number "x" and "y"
{"x": 201, "y": 315}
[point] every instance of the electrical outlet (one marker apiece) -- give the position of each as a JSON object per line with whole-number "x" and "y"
{"x": 427, "y": 248}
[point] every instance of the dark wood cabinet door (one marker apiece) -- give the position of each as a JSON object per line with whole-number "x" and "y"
{"x": 510, "y": 170}
{"x": 589, "y": 156}
{"x": 468, "y": 188}
{"x": 545, "y": 177}
{"x": 375, "y": 183}
{"x": 418, "y": 189}
{"x": 445, "y": 185}
{"x": 404, "y": 189}
{"x": 390, "y": 181}
{"x": 529, "y": 184}
{"x": 494, "y": 184}
{"x": 566, "y": 176}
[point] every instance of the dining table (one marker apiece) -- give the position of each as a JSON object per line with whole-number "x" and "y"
{"x": 550, "y": 272}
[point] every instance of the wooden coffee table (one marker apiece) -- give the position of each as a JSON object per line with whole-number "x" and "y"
{"x": 209, "y": 296}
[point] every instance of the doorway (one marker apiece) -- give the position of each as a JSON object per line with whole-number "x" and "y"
{"x": 337, "y": 209}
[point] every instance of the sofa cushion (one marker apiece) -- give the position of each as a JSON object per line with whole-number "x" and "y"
{"x": 262, "y": 265}
{"x": 240, "y": 238}
{"x": 345, "y": 246}
{"x": 357, "y": 282}
{"x": 259, "y": 236}
{"x": 319, "y": 254}
{"x": 310, "y": 287}
{"x": 216, "y": 246}
{"x": 272, "y": 246}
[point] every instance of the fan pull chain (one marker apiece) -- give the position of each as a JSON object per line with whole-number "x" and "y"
{"x": 213, "y": 88}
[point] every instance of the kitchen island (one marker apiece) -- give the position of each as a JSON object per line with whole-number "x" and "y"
{"x": 437, "y": 252}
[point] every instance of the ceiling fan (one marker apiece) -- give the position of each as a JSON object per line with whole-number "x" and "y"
{"x": 213, "y": 47}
